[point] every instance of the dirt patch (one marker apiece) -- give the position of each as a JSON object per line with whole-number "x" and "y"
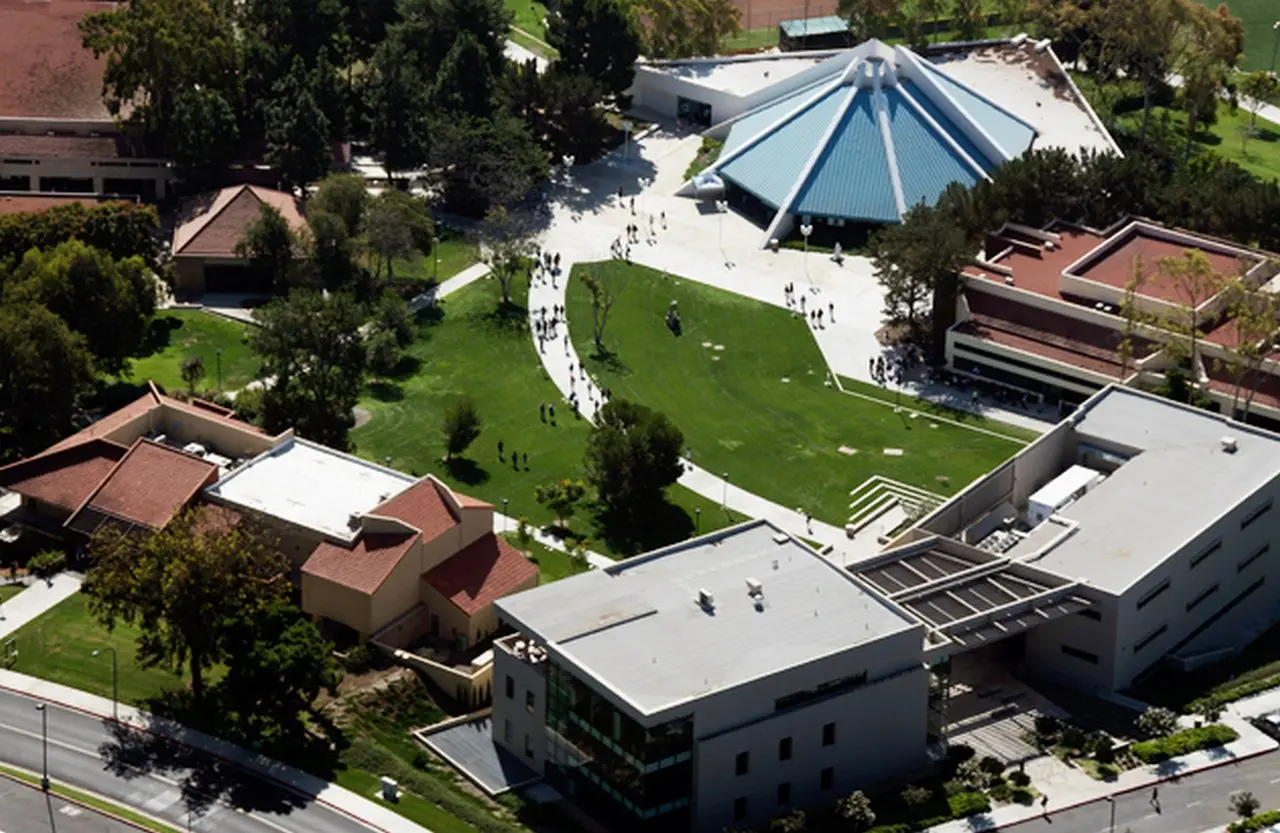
{"x": 362, "y": 416}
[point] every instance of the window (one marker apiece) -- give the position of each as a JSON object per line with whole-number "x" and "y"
{"x": 784, "y": 793}
{"x": 1206, "y": 552}
{"x": 1258, "y": 553}
{"x": 828, "y": 779}
{"x": 528, "y": 746}
{"x": 743, "y": 763}
{"x": 739, "y": 809}
{"x": 1151, "y": 596}
{"x": 1085, "y": 656}
{"x": 1151, "y": 637}
{"x": 829, "y": 734}
{"x": 1255, "y": 514}
{"x": 528, "y": 701}
{"x": 1089, "y": 613}
{"x": 506, "y": 731}
{"x": 1198, "y": 599}
{"x": 511, "y": 688}
{"x": 784, "y": 749}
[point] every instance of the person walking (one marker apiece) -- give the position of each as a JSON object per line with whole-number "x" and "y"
{"x": 542, "y": 411}
{"x": 551, "y": 412}
{"x": 499, "y": 449}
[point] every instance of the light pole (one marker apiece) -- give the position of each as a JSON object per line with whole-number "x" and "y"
{"x": 1276, "y": 49}
{"x": 722, "y": 208}
{"x": 44, "y": 735}
{"x": 1111, "y": 799}
{"x": 626, "y": 138}
{"x": 640, "y": 183}
{"x": 724, "y": 500}
{"x": 115, "y": 683}
{"x": 697, "y": 521}
{"x": 504, "y": 515}
{"x": 218, "y": 354}
{"x": 805, "y": 231}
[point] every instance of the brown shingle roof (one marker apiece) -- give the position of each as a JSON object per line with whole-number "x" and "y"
{"x": 65, "y": 477}
{"x": 150, "y": 485}
{"x": 47, "y": 72}
{"x": 111, "y": 421}
{"x": 484, "y": 570}
{"x": 423, "y": 506}
{"x": 61, "y": 147}
{"x": 363, "y": 567}
{"x": 214, "y": 223}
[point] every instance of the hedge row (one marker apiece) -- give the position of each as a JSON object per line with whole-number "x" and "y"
{"x": 1258, "y": 822}
{"x": 1181, "y": 743}
{"x": 1233, "y": 693}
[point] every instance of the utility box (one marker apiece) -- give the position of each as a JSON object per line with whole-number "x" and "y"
{"x": 390, "y": 789}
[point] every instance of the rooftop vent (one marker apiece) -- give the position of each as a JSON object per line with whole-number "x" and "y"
{"x": 781, "y": 538}
{"x": 754, "y": 587}
{"x": 353, "y": 520}
{"x": 706, "y": 600}
{"x": 1008, "y": 279}
{"x": 1229, "y": 444}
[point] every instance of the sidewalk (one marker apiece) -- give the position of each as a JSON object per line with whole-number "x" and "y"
{"x": 447, "y": 287}
{"x": 361, "y": 809}
{"x": 503, "y": 524}
{"x": 36, "y": 599}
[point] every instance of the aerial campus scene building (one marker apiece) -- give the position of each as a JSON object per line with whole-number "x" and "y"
{"x": 1008, "y": 559}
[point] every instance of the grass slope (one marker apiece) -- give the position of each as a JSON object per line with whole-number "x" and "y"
{"x": 777, "y": 438}
{"x": 178, "y": 334}
{"x": 455, "y": 250}
{"x": 8, "y": 591}
{"x": 472, "y": 350}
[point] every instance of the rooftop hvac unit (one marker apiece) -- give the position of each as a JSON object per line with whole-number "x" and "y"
{"x": 1008, "y": 279}
{"x": 353, "y": 520}
{"x": 1229, "y": 444}
{"x": 754, "y": 587}
{"x": 706, "y": 600}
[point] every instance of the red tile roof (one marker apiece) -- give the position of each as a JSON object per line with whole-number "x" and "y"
{"x": 213, "y": 224}
{"x": 151, "y": 484}
{"x": 35, "y": 203}
{"x": 363, "y": 567}
{"x": 423, "y": 506}
{"x": 48, "y": 73}
{"x": 484, "y": 570}
{"x": 64, "y": 477}
{"x": 1221, "y": 380}
{"x": 111, "y": 421}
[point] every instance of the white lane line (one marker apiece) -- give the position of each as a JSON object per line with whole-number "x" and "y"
{"x": 1274, "y": 781}
{"x": 1149, "y": 816}
{"x": 1195, "y": 804}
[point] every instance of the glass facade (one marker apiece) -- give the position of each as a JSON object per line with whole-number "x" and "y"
{"x": 638, "y": 777}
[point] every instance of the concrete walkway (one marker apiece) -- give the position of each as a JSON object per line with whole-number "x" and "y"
{"x": 36, "y": 599}
{"x": 503, "y": 524}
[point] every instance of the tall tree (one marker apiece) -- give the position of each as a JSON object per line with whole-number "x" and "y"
{"x": 1253, "y": 313}
{"x": 465, "y": 83}
{"x": 868, "y": 18}
{"x": 396, "y": 92}
{"x": 203, "y": 136}
{"x": 396, "y": 225}
{"x": 45, "y": 369}
{"x": 432, "y": 27}
{"x": 684, "y": 28}
{"x": 598, "y": 39}
{"x": 181, "y": 586}
{"x": 333, "y": 254}
{"x": 460, "y": 427}
{"x": 1193, "y": 278}
{"x": 487, "y": 162}
{"x": 506, "y": 244}
{"x": 632, "y": 456}
{"x": 1209, "y": 46}
{"x": 310, "y": 347}
{"x": 297, "y": 131}
{"x": 969, "y": 19}
{"x": 271, "y": 248}
{"x": 604, "y": 291}
{"x": 345, "y": 196}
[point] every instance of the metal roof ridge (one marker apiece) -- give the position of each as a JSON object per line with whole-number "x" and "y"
{"x": 931, "y": 85}
{"x": 881, "y": 105}
{"x": 942, "y": 134}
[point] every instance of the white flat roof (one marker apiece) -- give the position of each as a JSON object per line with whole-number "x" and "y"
{"x": 738, "y": 76}
{"x": 1064, "y": 485}
{"x": 310, "y": 486}
{"x": 638, "y": 631}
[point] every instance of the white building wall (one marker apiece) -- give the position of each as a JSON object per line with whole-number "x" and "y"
{"x": 514, "y": 726}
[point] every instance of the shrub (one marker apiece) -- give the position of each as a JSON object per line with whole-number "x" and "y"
{"x": 47, "y": 563}
{"x": 794, "y": 822}
{"x": 1047, "y": 725}
{"x": 1259, "y": 822}
{"x": 855, "y": 808}
{"x": 915, "y": 797}
{"x": 359, "y": 659}
{"x": 1073, "y": 737}
{"x": 991, "y": 765}
{"x": 1157, "y": 722}
{"x": 1182, "y": 743}
{"x": 1020, "y": 779}
{"x": 967, "y": 804}
{"x": 958, "y": 753}
{"x": 1001, "y": 792}
{"x": 1022, "y": 796}
{"x": 420, "y": 759}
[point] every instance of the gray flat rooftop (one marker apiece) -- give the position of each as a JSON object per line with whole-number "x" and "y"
{"x": 310, "y": 486}
{"x": 471, "y": 748}
{"x": 637, "y": 629}
{"x": 1178, "y": 482}
{"x": 740, "y": 76}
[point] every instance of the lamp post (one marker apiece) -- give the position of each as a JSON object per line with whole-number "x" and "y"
{"x": 722, "y": 208}
{"x": 115, "y": 683}
{"x": 724, "y": 500}
{"x": 640, "y": 183}
{"x": 218, "y": 354}
{"x": 805, "y": 231}
{"x": 697, "y": 521}
{"x": 504, "y": 515}
{"x": 1111, "y": 799}
{"x": 1275, "y": 50}
{"x": 626, "y": 138}
{"x": 44, "y": 735}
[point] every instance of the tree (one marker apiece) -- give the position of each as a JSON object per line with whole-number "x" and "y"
{"x": 396, "y": 225}
{"x": 1208, "y": 48}
{"x": 969, "y": 19}
{"x": 1254, "y": 313}
{"x": 345, "y": 196}
{"x": 684, "y": 28}
{"x": 1137, "y": 37}
{"x": 297, "y": 130}
{"x": 1244, "y": 804}
{"x": 396, "y": 93}
{"x": 915, "y": 798}
{"x": 793, "y": 822}
{"x": 204, "y": 135}
{"x": 192, "y": 369}
{"x": 392, "y": 315}
{"x": 569, "y": 119}
{"x": 991, "y": 766}
{"x": 1193, "y": 277}
{"x": 867, "y": 18}
{"x": 598, "y": 39}
{"x": 461, "y": 427}
{"x": 633, "y": 454}
{"x": 333, "y": 253}
{"x": 561, "y": 497}
{"x": 1013, "y": 12}
{"x": 1156, "y": 722}
{"x": 310, "y": 346}
{"x": 182, "y": 585}
{"x": 506, "y": 245}
{"x": 604, "y": 291}
{"x": 465, "y": 83}
{"x": 855, "y": 808}
{"x": 487, "y": 162}
{"x": 270, "y": 246}
{"x": 1257, "y": 88}
{"x": 47, "y": 563}
{"x": 382, "y": 351}
{"x": 45, "y": 369}
{"x": 970, "y": 774}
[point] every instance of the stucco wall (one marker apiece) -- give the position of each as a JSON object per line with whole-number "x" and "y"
{"x": 510, "y": 710}
{"x": 400, "y": 590}
{"x": 330, "y": 600}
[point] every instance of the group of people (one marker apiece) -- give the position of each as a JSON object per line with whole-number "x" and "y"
{"x": 883, "y": 371}
{"x": 546, "y": 268}
{"x": 515, "y": 457}
{"x": 544, "y": 327}
{"x": 814, "y": 313}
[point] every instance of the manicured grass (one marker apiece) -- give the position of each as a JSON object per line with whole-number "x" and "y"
{"x": 887, "y": 395}
{"x": 92, "y": 801}
{"x": 477, "y": 352}
{"x": 1257, "y": 16}
{"x": 178, "y": 334}
{"x": 530, "y": 16}
{"x": 552, "y": 564}
{"x": 758, "y": 409}
{"x": 415, "y": 809}
{"x": 532, "y": 44}
{"x": 8, "y": 591}
{"x": 455, "y": 250}
{"x": 58, "y": 645}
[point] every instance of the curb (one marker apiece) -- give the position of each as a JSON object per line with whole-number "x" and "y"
{"x": 238, "y": 765}
{"x": 107, "y": 813}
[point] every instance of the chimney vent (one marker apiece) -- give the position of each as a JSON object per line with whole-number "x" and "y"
{"x": 1229, "y": 444}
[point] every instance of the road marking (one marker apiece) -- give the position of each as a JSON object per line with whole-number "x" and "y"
{"x": 1195, "y": 804}
{"x": 1151, "y": 816}
{"x": 1274, "y": 781}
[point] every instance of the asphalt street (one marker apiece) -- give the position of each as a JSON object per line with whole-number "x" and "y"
{"x": 25, "y": 809}
{"x": 167, "y": 780}
{"x": 1192, "y": 804}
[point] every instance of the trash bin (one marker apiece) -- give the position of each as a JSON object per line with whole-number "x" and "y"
{"x": 390, "y": 789}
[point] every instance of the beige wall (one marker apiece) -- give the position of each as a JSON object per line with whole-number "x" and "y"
{"x": 452, "y": 620}
{"x": 225, "y": 438}
{"x": 328, "y": 599}
{"x": 399, "y": 592}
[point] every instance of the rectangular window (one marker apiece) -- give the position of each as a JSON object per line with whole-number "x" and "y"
{"x": 1191, "y": 605}
{"x": 506, "y": 731}
{"x": 784, "y": 793}
{"x": 1147, "y": 599}
{"x": 1258, "y": 553}
{"x": 739, "y": 809}
{"x": 528, "y": 747}
{"x": 511, "y": 688}
{"x": 528, "y": 701}
{"x": 784, "y": 749}
{"x": 742, "y": 765}
{"x": 828, "y": 779}
{"x": 1089, "y": 613}
{"x": 1149, "y": 638}
{"x": 1085, "y": 656}
{"x": 1255, "y": 514}
{"x": 1205, "y": 553}
{"x": 829, "y": 734}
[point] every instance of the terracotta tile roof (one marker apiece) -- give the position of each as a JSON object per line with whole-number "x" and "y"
{"x": 423, "y": 506}
{"x": 43, "y": 146}
{"x": 469, "y": 502}
{"x": 111, "y": 421}
{"x": 484, "y": 570}
{"x": 150, "y": 485}
{"x": 212, "y": 224}
{"x": 365, "y": 566}
{"x": 34, "y": 203}
{"x": 64, "y": 477}
{"x": 48, "y": 73}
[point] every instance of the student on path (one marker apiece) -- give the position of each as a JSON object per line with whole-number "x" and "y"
{"x": 499, "y": 449}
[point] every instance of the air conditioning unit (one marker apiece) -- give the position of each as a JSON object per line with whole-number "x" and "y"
{"x": 706, "y": 600}
{"x": 1229, "y": 444}
{"x": 1008, "y": 279}
{"x": 754, "y": 587}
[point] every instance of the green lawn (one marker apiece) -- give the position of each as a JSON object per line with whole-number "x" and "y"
{"x": 472, "y": 350}
{"x": 552, "y": 564}
{"x": 8, "y": 591}
{"x": 1259, "y": 38}
{"x": 177, "y": 334}
{"x": 58, "y": 647}
{"x": 455, "y": 250}
{"x": 758, "y": 409}
{"x": 415, "y": 809}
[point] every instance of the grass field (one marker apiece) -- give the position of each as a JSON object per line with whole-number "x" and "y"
{"x": 58, "y": 647}
{"x": 415, "y": 809}
{"x": 178, "y": 334}
{"x": 476, "y": 352}
{"x": 8, "y": 591}
{"x": 456, "y": 252}
{"x": 552, "y": 564}
{"x": 758, "y": 409}
{"x": 1259, "y": 38}
{"x": 530, "y": 18}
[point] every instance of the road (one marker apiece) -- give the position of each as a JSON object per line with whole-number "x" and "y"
{"x": 27, "y": 810}
{"x": 166, "y": 780}
{"x": 1195, "y": 803}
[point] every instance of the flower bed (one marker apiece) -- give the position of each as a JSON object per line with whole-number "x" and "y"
{"x": 1181, "y": 743}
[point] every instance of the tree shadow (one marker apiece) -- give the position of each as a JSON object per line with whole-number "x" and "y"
{"x": 654, "y": 527}
{"x": 507, "y": 317}
{"x": 430, "y": 315}
{"x": 610, "y": 360}
{"x": 408, "y": 366}
{"x": 466, "y": 471}
{"x": 112, "y": 396}
{"x": 385, "y": 390}
{"x": 159, "y": 334}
